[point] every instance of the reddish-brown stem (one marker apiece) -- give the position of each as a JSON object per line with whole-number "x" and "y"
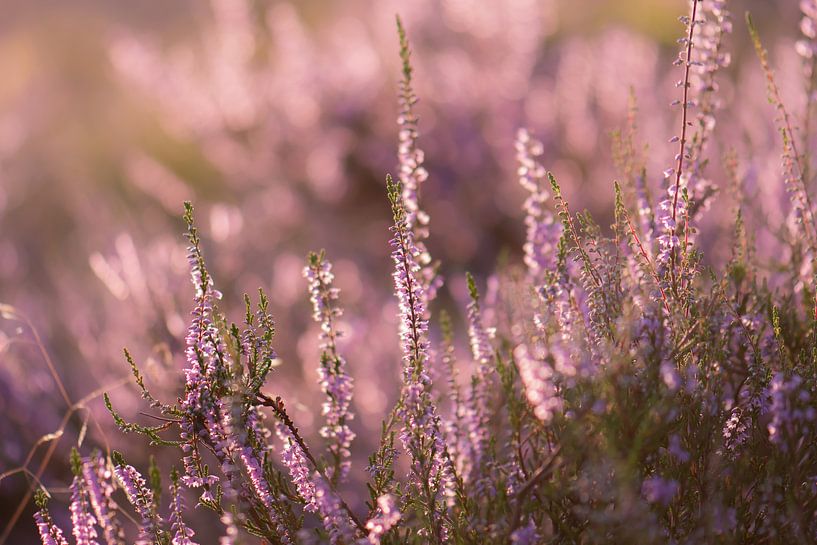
{"x": 684, "y": 108}
{"x": 277, "y": 406}
{"x": 647, "y": 259}
{"x": 682, "y": 145}
{"x": 686, "y": 243}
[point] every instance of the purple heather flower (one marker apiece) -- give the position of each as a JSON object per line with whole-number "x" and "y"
{"x": 543, "y": 232}
{"x": 668, "y": 241}
{"x": 141, "y": 497}
{"x": 230, "y": 529}
{"x": 807, "y": 47}
{"x": 659, "y": 490}
{"x": 707, "y": 59}
{"x": 477, "y": 410}
{"x": 412, "y": 174}
{"x": 335, "y": 519}
{"x": 50, "y": 534}
{"x": 789, "y": 408}
{"x": 296, "y": 462}
{"x": 181, "y": 532}
{"x": 735, "y": 430}
{"x": 387, "y": 516}
{"x": 98, "y": 482}
{"x": 480, "y": 339}
{"x": 670, "y": 376}
{"x": 314, "y": 489}
{"x": 260, "y": 486}
{"x": 82, "y": 521}
{"x": 537, "y": 376}
{"x": 206, "y": 372}
{"x": 526, "y": 535}
{"x": 335, "y": 381}
{"x": 677, "y": 450}
{"x": 410, "y": 295}
{"x": 422, "y": 428}
{"x": 422, "y": 433}
{"x": 204, "y": 347}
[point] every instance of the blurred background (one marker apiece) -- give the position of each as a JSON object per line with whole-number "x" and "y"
{"x": 278, "y": 121}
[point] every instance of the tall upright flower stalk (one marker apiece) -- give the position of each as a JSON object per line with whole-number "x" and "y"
{"x": 335, "y": 381}
{"x": 98, "y": 476}
{"x": 708, "y": 59}
{"x": 412, "y": 173}
{"x": 141, "y": 498}
{"x": 182, "y": 533}
{"x": 794, "y": 168}
{"x": 542, "y": 232}
{"x": 432, "y": 472}
{"x": 83, "y": 523}
{"x": 477, "y": 408}
{"x": 806, "y": 47}
{"x": 50, "y": 533}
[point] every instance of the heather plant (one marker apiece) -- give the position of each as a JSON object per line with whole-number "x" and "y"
{"x": 258, "y": 106}
{"x": 616, "y": 387}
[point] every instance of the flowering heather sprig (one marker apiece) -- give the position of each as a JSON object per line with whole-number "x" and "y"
{"x": 545, "y": 245}
{"x": 793, "y": 161}
{"x": 478, "y": 335}
{"x": 668, "y": 241}
{"x": 638, "y": 251}
{"x": 572, "y": 233}
{"x": 735, "y": 431}
{"x": 141, "y": 498}
{"x": 82, "y": 521}
{"x": 537, "y": 377}
{"x": 807, "y": 49}
{"x": 98, "y": 481}
{"x": 598, "y": 275}
{"x": 181, "y": 532}
{"x": 50, "y": 534}
{"x": 431, "y": 467}
{"x": 478, "y": 410}
{"x": 387, "y": 517}
{"x": 335, "y": 518}
{"x": 602, "y": 305}
{"x": 312, "y": 484}
{"x": 300, "y": 473}
{"x": 413, "y": 324}
{"x": 708, "y": 58}
{"x": 454, "y": 424}
{"x": 790, "y": 408}
{"x": 668, "y": 214}
{"x": 631, "y": 163}
{"x": 258, "y": 481}
{"x": 204, "y": 352}
{"x": 412, "y": 173}
{"x": 542, "y": 232}
{"x": 335, "y": 381}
